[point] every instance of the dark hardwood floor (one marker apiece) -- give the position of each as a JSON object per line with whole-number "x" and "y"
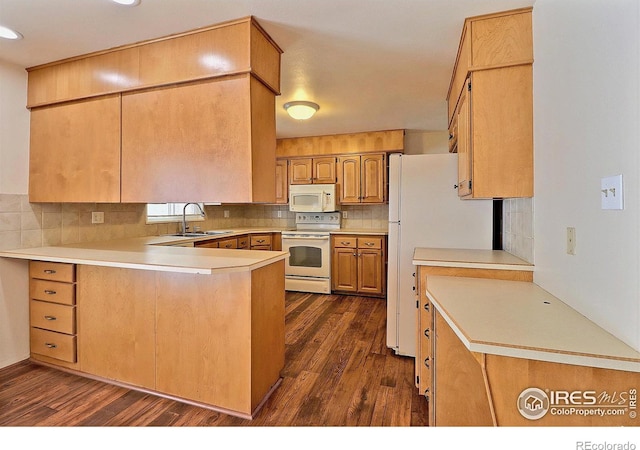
{"x": 338, "y": 372}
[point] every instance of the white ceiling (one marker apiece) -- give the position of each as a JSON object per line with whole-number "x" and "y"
{"x": 369, "y": 64}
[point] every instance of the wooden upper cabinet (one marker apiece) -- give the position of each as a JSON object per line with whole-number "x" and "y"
{"x": 282, "y": 181}
{"x": 324, "y": 170}
{"x": 490, "y": 41}
{"x": 239, "y": 46}
{"x": 491, "y": 106}
{"x": 301, "y": 171}
{"x": 194, "y": 142}
{"x": 500, "y": 133}
{"x": 349, "y": 179}
{"x": 373, "y": 178}
{"x": 192, "y": 119}
{"x": 361, "y": 178}
{"x": 312, "y": 170}
{"x": 75, "y": 152}
{"x": 341, "y": 144}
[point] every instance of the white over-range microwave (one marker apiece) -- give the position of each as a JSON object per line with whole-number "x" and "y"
{"x": 312, "y": 198}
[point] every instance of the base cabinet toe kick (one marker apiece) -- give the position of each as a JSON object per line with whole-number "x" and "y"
{"x": 214, "y": 340}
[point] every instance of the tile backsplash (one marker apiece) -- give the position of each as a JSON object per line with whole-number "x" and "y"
{"x": 24, "y": 224}
{"x": 517, "y": 227}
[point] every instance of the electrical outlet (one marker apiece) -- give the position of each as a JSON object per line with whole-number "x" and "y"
{"x": 344, "y": 214}
{"x": 571, "y": 241}
{"x": 226, "y": 214}
{"x": 279, "y": 214}
{"x": 97, "y": 217}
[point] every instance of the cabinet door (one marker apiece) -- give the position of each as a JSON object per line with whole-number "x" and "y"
{"x": 116, "y": 324}
{"x": 189, "y": 143}
{"x": 370, "y": 271}
{"x": 74, "y": 152}
{"x": 501, "y": 118}
{"x": 464, "y": 144}
{"x": 301, "y": 171}
{"x": 372, "y": 178}
{"x": 282, "y": 181}
{"x": 324, "y": 170}
{"x": 349, "y": 179}
{"x": 344, "y": 275}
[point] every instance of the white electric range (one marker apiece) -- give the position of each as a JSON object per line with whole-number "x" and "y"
{"x": 308, "y": 268}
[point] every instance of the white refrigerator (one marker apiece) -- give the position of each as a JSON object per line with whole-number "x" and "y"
{"x": 425, "y": 211}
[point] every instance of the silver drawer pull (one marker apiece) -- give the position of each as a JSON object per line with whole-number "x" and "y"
{"x": 50, "y": 292}
{"x": 426, "y": 362}
{"x": 426, "y": 307}
{"x": 370, "y": 244}
{"x": 259, "y": 241}
{"x": 345, "y": 243}
{"x": 49, "y": 345}
{"x": 50, "y": 318}
{"x": 49, "y": 271}
{"x": 426, "y": 333}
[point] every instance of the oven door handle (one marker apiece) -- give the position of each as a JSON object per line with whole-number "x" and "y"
{"x": 308, "y": 238}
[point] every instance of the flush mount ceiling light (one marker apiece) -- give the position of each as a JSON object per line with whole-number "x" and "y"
{"x": 8, "y": 33}
{"x": 301, "y": 110}
{"x": 127, "y": 2}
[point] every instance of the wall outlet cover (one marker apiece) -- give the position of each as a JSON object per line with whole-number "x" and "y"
{"x": 97, "y": 217}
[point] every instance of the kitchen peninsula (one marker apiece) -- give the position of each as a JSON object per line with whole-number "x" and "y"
{"x": 203, "y": 326}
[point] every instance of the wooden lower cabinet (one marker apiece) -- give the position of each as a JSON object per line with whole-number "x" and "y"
{"x": 216, "y": 340}
{"x": 52, "y": 313}
{"x": 425, "y": 362}
{"x": 478, "y": 389}
{"x": 116, "y": 324}
{"x": 262, "y": 241}
{"x": 358, "y": 264}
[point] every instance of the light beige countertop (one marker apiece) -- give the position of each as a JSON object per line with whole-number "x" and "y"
{"x": 149, "y": 253}
{"x": 466, "y": 258}
{"x": 366, "y": 231}
{"x": 521, "y": 320}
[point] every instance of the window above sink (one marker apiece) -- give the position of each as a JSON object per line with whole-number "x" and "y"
{"x": 172, "y": 212}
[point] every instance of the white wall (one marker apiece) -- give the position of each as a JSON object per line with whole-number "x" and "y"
{"x": 14, "y": 130}
{"x": 420, "y": 142}
{"x": 586, "y": 114}
{"x": 14, "y": 163}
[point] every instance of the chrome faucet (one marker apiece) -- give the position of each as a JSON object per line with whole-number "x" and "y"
{"x": 184, "y": 215}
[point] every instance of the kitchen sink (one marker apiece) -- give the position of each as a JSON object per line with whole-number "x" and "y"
{"x": 202, "y": 233}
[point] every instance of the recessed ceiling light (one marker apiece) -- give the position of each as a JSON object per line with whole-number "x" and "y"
{"x": 8, "y": 33}
{"x": 127, "y": 2}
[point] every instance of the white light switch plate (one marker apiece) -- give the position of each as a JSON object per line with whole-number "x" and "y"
{"x": 611, "y": 192}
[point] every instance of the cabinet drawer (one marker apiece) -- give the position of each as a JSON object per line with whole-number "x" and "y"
{"x": 228, "y": 243}
{"x": 52, "y": 271}
{"x": 260, "y": 239}
{"x": 52, "y": 316}
{"x": 243, "y": 242}
{"x": 54, "y": 345}
{"x": 345, "y": 242}
{"x": 261, "y": 247}
{"x": 52, "y": 291}
{"x": 370, "y": 242}
{"x": 206, "y": 244}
